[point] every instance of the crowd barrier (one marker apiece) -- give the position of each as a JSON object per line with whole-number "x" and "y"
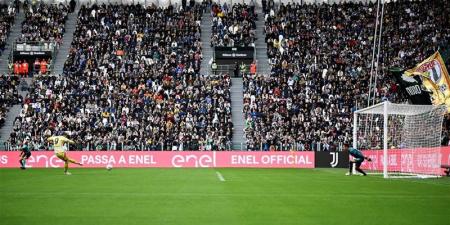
{"x": 240, "y": 159}
{"x": 408, "y": 161}
{"x": 167, "y": 159}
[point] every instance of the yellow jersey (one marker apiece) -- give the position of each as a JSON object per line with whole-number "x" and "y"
{"x": 58, "y": 143}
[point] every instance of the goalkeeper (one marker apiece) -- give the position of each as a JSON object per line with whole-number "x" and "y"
{"x": 358, "y": 159}
{"x": 60, "y": 151}
{"x": 24, "y": 154}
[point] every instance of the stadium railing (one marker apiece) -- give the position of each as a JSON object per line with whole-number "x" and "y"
{"x": 168, "y": 147}
{"x": 35, "y": 46}
{"x": 222, "y": 69}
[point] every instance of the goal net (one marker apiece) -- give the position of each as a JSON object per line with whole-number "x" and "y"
{"x": 402, "y": 140}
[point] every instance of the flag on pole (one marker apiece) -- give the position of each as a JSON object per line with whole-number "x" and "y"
{"x": 411, "y": 86}
{"x": 435, "y": 78}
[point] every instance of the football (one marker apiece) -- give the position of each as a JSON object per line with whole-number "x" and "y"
{"x": 109, "y": 167}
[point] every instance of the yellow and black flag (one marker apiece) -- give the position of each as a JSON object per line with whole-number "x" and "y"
{"x": 435, "y": 78}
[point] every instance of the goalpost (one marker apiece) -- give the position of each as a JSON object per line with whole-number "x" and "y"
{"x": 402, "y": 140}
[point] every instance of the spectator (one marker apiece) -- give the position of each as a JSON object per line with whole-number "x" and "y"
{"x": 72, "y": 4}
{"x": 236, "y": 69}
{"x": 17, "y": 66}
{"x": 253, "y": 68}
{"x": 233, "y": 28}
{"x": 44, "y": 23}
{"x": 24, "y": 68}
{"x": 131, "y": 82}
{"x": 319, "y": 58}
{"x": 43, "y": 67}
{"x": 8, "y": 95}
{"x": 7, "y": 13}
{"x": 214, "y": 67}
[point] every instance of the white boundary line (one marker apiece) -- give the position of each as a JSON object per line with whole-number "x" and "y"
{"x": 298, "y": 195}
{"x": 219, "y": 175}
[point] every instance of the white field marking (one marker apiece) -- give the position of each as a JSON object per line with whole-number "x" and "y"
{"x": 249, "y": 195}
{"x": 380, "y": 177}
{"x": 424, "y": 181}
{"x": 219, "y": 175}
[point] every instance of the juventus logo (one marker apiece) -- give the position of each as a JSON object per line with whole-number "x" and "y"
{"x": 335, "y": 160}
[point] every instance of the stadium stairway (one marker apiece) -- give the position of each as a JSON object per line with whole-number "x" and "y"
{"x": 260, "y": 44}
{"x": 15, "y": 32}
{"x": 7, "y": 127}
{"x": 207, "y": 50}
{"x": 237, "y": 104}
{"x": 13, "y": 112}
{"x": 236, "y": 89}
{"x": 237, "y": 116}
{"x": 63, "y": 51}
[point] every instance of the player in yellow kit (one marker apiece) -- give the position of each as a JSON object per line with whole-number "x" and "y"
{"x": 60, "y": 151}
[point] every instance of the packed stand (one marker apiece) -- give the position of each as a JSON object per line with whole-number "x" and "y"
{"x": 8, "y": 95}
{"x": 320, "y": 58}
{"x": 233, "y": 27}
{"x": 131, "y": 82}
{"x": 7, "y": 13}
{"x": 44, "y": 22}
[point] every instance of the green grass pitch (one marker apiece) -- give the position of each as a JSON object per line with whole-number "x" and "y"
{"x": 199, "y": 197}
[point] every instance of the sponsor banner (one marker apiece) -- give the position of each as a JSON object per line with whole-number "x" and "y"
{"x": 32, "y": 53}
{"x": 234, "y": 53}
{"x": 165, "y": 159}
{"x": 445, "y": 156}
{"x": 426, "y": 161}
{"x": 331, "y": 159}
{"x": 266, "y": 159}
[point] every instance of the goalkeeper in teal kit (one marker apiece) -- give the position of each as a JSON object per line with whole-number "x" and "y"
{"x": 358, "y": 159}
{"x": 24, "y": 154}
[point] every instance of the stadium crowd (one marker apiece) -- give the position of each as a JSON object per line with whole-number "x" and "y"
{"x": 235, "y": 26}
{"x": 320, "y": 58}
{"x": 44, "y": 22}
{"x": 6, "y": 21}
{"x": 131, "y": 82}
{"x": 8, "y": 95}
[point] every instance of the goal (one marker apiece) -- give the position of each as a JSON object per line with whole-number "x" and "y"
{"x": 402, "y": 140}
